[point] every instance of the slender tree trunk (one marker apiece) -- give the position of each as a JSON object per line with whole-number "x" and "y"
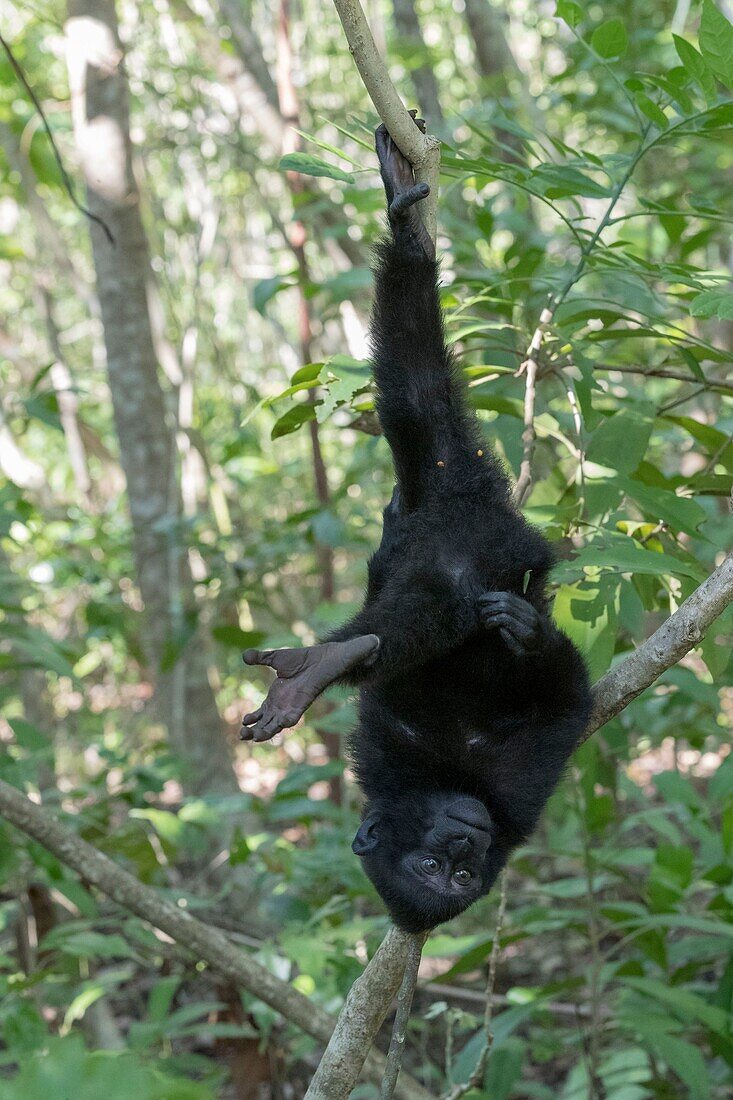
{"x": 67, "y": 401}
{"x": 493, "y": 55}
{"x": 408, "y": 29}
{"x": 290, "y": 111}
{"x": 100, "y": 111}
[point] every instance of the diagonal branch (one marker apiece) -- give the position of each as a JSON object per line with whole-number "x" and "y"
{"x": 422, "y": 150}
{"x": 190, "y": 934}
{"x": 665, "y": 647}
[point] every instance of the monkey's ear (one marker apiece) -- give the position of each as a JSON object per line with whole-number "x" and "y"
{"x": 367, "y": 837}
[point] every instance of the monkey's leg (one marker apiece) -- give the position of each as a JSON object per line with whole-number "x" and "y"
{"x": 302, "y": 674}
{"x": 519, "y": 623}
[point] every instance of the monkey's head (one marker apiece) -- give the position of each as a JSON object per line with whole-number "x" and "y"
{"x": 426, "y": 855}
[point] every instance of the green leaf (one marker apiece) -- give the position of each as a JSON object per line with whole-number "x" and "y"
{"x": 308, "y": 165}
{"x": 609, "y": 40}
{"x": 587, "y": 613}
{"x": 696, "y": 66}
{"x": 266, "y": 289}
{"x": 623, "y": 555}
{"x": 310, "y": 372}
{"x": 716, "y": 42}
{"x": 713, "y": 303}
{"x": 620, "y": 442}
{"x": 293, "y": 419}
{"x": 651, "y": 110}
{"x": 681, "y": 513}
{"x": 562, "y": 181}
{"x": 570, "y": 12}
{"x": 88, "y": 945}
{"x": 684, "y": 1005}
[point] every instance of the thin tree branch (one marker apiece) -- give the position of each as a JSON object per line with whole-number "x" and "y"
{"x": 365, "y": 1008}
{"x": 529, "y": 435}
{"x": 663, "y": 372}
{"x": 399, "y": 1028}
{"x": 476, "y": 1079}
{"x": 65, "y": 178}
{"x": 665, "y": 647}
{"x": 422, "y": 150}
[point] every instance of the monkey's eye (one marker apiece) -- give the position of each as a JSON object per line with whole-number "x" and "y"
{"x": 462, "y": 876}
{"x": 429, "y": 865}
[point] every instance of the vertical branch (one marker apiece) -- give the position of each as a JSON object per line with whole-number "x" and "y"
{"x": 399, "y": 1027}
{"x": 529, "y": 366}
{"x": 529, "y": 435}
{"x": 67, "y": 402}
{"x": 476, "y": 1079}
{"x": 422, "y": 150}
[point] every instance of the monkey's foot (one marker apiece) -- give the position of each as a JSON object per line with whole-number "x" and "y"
{"x": 518, "y": 622}
{"x": 402, "y": 191}
{"x": 302, "y": 674}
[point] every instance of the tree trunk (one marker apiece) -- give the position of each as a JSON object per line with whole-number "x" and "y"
{"x": 99, "y": 93}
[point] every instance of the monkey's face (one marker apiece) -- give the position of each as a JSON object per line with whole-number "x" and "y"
{"x": 426, "y": 856}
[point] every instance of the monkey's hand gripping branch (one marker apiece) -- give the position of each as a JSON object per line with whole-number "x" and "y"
{"x": 302, "y": 674}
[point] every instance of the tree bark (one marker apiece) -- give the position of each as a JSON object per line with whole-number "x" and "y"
{"x": 99, "y": 92}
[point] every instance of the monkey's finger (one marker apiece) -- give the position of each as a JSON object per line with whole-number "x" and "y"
{"x": 513, "y": 605}
{"x": 258, "y": 656}
{"x": 408, "y": 198}
{"x": 273, "y": 723}
{"x": 250, "y": 719}
{"x": 523, "y": 632}
{"x": 512, "y": 643}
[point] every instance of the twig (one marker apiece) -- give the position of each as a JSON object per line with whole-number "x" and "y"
{"x": 476, "y": 1079}
{"x": 399, "y": 1027}
{"x": 475, "y": 996}
{"x": 529, "y": 435}
{"x": 65, "y": 178}
{"x": 663, "y": 372}
{"x": 422, "y": 150}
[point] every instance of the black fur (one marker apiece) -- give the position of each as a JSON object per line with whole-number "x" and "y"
{"x": 471, "y": 699}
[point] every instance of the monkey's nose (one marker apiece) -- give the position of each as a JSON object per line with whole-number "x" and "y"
{"x": 460, "y": 846}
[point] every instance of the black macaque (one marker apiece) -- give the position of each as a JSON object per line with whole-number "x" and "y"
{"x": 471, "y": 700}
